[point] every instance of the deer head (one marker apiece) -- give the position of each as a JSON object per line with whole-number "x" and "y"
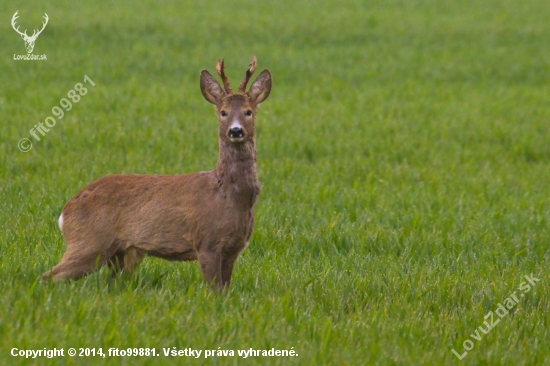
{"x": 29, "y": 41}
{"x": 236, "y": 111}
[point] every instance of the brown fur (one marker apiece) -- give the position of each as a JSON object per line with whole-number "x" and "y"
{"x": 205, "y": 216}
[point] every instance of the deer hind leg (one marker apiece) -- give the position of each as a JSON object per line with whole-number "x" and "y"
{"x": 78, "y": 262}
{"x": 211, "y": 267}
{"x": 116, "y": 263}
{"x": 126, "y": 260}
{"x": 132, "y": 257}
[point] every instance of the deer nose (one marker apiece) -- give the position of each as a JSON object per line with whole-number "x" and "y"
{"x": 236, "y": 133}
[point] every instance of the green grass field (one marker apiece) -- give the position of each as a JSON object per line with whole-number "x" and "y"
{"x": 405, "y": 165}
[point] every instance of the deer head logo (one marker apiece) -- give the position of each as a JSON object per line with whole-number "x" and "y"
{"x": 29, "y": 41}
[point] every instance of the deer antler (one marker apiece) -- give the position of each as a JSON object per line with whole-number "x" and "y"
{"x": 35, "y": 34}
{"x": 249, "y": 73}
{"x": 219, "y": 69}
{"x": 13, "y": 19}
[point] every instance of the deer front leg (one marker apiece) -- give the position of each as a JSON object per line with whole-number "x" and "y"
{"x": 211, "y": 267}
{"x": 227, "y": 268}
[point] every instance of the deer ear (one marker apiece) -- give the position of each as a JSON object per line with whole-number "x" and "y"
{"x": 210, "y": 88}
{"x": 259, "y": 91}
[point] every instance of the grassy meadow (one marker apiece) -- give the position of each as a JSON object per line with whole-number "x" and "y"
{"x": 404, "y": 158}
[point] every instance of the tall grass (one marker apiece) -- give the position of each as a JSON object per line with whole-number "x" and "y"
{"x": 404, "y": 161}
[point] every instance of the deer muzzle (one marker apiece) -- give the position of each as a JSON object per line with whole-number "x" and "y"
{"x": 236, "y": 134}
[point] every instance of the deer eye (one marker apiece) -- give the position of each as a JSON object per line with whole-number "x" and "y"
{"x": 248, "y": 113}
{"x": 223, "y": 113}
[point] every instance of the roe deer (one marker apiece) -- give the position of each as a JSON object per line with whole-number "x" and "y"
{"x": 204, "y": 216}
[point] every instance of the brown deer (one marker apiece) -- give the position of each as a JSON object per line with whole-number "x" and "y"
{"x": 204, "y": 216}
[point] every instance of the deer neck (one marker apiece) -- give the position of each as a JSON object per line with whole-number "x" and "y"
{"x": 237, "y": 174}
